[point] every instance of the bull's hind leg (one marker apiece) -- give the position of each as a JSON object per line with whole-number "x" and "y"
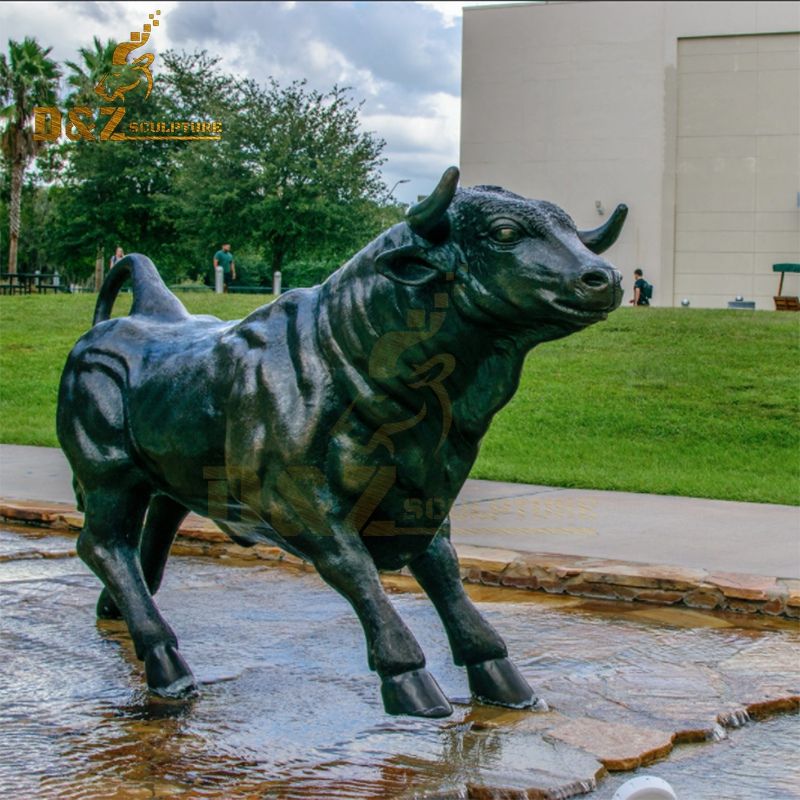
{"x": 108, "y": 544}
{"x": 164, "y": 517}
{"x": 474, "y": 642}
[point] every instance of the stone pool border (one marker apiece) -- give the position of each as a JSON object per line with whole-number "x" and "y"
{"x": 553, "y": 573}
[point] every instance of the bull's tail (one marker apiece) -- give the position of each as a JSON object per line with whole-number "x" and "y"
{"x": 151, "y": 297}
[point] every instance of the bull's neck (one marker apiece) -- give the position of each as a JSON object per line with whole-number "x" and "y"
{"x": 385, "y": 337}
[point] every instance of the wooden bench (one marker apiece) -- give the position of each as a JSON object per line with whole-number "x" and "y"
{"x": 28, "y": 282}
{"x": 16, "y": 282}
{"x": 44, "y": 288}
{"x": 785, "y": 302}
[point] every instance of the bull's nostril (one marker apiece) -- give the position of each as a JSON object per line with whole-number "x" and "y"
{"x": 596, "y": 279}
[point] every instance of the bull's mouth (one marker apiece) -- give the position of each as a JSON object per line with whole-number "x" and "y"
{"x": 589, "y": 315}
{"x": 477, "y": 303}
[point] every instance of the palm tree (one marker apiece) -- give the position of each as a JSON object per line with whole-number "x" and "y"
{"x": 28, "y": 78}
{"x": 94, "y": 64}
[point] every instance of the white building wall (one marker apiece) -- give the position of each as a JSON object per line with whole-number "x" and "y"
{"x": 578, "y": 103}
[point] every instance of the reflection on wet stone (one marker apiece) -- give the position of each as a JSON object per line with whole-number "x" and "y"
{"x": 289, "y": 708}
{"x": 34, "y": 545}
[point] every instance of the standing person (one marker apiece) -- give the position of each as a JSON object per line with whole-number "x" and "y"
{"x": 224, "y": 258}
{"x": 640, "y": 290}
{"x": 119, "y": 254}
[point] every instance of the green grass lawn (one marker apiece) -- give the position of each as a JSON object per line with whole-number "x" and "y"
{"x": 670, "y": 401}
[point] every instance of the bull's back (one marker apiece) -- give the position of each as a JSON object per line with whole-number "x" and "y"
{"x": 136, "y": 400}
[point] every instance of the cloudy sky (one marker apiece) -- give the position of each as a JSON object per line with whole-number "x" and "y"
{"x": 402, "y": 58}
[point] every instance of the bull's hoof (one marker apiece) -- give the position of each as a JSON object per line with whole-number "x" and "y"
{"x": 415, "y": 693}
{"x": 106, "y": 607}
{"x": 499, "y": 683}
{"x": 168, "y": 675}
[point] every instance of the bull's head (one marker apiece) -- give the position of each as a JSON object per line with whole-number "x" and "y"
{"x": 125, "y": 76}
{"x": 514, "y": 262}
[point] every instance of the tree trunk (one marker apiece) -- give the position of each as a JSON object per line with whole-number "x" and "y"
{"x": 99, "y": 263}
{"x": 17, "y": 171}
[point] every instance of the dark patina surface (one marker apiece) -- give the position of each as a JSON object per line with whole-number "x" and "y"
{"x": 339, "y": 421}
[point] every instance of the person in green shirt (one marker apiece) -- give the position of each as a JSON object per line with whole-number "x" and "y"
{"x": 224, "y": 258}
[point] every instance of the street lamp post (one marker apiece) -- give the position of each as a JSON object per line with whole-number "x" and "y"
{"x": 402, "y": 180}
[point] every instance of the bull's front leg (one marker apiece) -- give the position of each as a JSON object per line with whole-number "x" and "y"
{"x": 493, "y": 678}
{"x": 407, "y": 687}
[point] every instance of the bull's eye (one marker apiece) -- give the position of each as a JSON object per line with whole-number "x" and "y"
{"x": 506, "y": 234}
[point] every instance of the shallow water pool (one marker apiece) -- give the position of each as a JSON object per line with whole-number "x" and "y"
{"x": 289, "y": 709}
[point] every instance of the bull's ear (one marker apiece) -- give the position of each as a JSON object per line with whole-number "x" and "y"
{"x": 416, "y": 265}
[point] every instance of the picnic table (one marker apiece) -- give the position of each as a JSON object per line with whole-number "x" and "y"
{"x": 28, "y": 282}
{"x": 785, "y": 302}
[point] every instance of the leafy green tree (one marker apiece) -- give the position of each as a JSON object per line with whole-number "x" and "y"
{"x": 294, "y": 176}
{"x": 210, "y": 193}
{"x": 28, "y": 78}
{"x": 84, "y": 75}
{"x": 315, "y": 170}
{"x": 195, "y": 87}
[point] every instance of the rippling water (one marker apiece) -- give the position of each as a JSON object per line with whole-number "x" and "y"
{"x": 757, "y": 762}
{"x": 289, "y": 708}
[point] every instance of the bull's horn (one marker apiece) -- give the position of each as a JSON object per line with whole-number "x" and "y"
{"x": 423, "y": 217}
{"x": 602, "y": 238}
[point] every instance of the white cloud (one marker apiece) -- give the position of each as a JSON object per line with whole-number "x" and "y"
{"x": 436, "y": 130}
{"x": 450, "y": 11}
{"x": 419, "y": 147}
{"x": 68, "y": 26}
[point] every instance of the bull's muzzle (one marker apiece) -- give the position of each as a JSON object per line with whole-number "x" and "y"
{"x": 597, "y": 279}
{"x": 597, "y": 288}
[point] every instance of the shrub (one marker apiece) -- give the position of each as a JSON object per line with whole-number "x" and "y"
{"x": 306, "y": 272}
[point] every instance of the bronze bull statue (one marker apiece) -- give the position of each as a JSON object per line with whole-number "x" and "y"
{"x": 338, "y": 422}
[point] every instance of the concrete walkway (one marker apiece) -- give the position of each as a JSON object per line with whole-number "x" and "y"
{"x": 711, "y": 535}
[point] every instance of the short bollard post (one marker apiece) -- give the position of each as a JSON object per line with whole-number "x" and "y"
{"x": 276, "y": 282}
{"x": 218, "y": 280}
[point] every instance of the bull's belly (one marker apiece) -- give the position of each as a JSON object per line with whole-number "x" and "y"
{"x": 388, "y": 552}
{"x": 244, "y": 525}
{"x": 396, "y": 524}
{"x": 249, "y": 535}
{"x": 391, "y": 546}
{"x": 396, "y": 552}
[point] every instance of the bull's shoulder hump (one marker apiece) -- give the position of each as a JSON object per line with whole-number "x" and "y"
{"x": 295, "y": 310}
